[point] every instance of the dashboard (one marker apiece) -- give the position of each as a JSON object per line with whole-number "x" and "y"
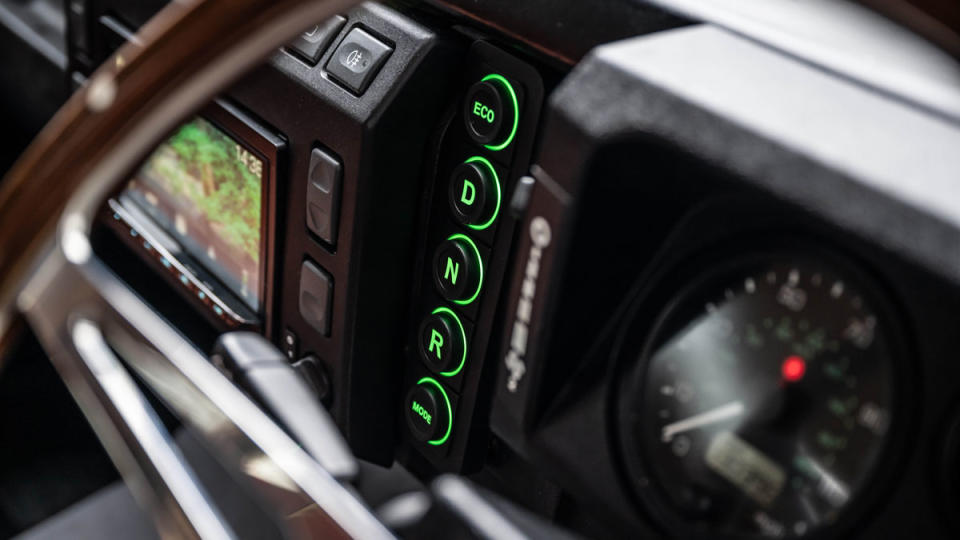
{"x": 643, "y": 269}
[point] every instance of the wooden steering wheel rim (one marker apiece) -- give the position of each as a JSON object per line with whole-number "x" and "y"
{"x": 185, "y": 55}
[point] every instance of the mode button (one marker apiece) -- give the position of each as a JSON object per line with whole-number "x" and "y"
{"x": 429, "y": 413}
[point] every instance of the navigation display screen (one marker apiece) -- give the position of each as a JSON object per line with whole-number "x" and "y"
{"x": 205, "y": 189}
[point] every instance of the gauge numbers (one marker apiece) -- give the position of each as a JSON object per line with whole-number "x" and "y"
{"x": 766, "y": 400}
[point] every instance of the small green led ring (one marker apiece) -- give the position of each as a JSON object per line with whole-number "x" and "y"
{"x": 516, "y": 111}
{"x": 479, "y": 264}
{"x": 441, "y": 440}
{"x": 496, "y": 184}
{"x": 463, "y": 333}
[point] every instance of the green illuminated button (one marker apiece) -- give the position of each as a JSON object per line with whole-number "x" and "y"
{"x": 475, "y": 193}
{"x": 491, "y": 112}
{"x": 458, "y": 270}
{"x": 443, "y": 342}
{"x": 428, "y": 411}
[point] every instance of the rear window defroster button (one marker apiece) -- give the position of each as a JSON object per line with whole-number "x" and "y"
{"x": 358, "y": 59}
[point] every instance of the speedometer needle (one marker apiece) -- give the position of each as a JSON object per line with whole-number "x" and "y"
{"x": 718, "y": 414}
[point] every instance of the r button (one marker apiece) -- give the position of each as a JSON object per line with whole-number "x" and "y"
{"x": 443, "y": 342}
{"x": 324, "y": 177}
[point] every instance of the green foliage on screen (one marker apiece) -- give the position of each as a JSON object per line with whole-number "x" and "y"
{"x": 217, "y": 176}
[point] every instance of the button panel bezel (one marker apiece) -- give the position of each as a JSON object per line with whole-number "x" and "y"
{"x": 468, "y": 387}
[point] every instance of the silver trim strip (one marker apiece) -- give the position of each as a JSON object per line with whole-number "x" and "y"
{"x": 152, "y": 438}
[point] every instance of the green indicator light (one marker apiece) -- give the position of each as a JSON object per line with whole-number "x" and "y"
{"x": 496, "y": 187}
{"x": 453, "y": 268}
{"x": 419, "y": 409}
{"x": 463, "y": 334}
{"x": 481, "y": 110}
{"x": 476, "y": 252}
{"x": 436, "y": 340}
{"x": 441, "y": 440}
{"x": 516, "y": 110}
{"x": 469, "y": 193}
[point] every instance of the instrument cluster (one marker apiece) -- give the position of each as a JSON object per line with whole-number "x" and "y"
{"x": 762, "y": 402}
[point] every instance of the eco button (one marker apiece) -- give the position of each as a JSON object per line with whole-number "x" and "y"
{"x": 491, "y": 112}
{"x": 475, "y": 193}
{"x": 428, "y": 412}
{"x": 458, "y": 269}
{"x": 443, "y": 342}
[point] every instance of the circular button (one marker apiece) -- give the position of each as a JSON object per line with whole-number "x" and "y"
{"x": 458, "y": 270}
{"x": 475, "y": 193}
{"x": 491, "y": 112}
{"x": 429, "y": 414}
{"x": 443, "y": 342}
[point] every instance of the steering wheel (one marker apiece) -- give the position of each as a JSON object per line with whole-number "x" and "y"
{"x": 94, "y": 326}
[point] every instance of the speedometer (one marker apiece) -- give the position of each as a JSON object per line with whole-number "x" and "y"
{"x": 763, "y": 400}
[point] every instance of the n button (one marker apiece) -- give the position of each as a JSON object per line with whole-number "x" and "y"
{"x": 458, "y": 269}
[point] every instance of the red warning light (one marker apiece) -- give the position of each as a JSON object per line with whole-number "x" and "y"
{"x": 793, "y": 368}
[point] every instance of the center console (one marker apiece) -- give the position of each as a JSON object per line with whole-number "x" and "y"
{"x": 466, "y": 232}
{"x": 374, "y": 261}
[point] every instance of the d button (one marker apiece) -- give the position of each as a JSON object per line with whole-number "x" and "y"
{"x": 475, "y": 193}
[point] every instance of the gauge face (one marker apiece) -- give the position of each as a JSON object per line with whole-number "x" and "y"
{"x": 766, "y": 400}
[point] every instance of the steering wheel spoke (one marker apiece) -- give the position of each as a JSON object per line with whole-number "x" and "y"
{"x": 99, "y": 333}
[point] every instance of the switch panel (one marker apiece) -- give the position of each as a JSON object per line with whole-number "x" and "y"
{"x": 466, "y": 241}
{"x": 316, "y": 296}
{"x": 323, "y": 194}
